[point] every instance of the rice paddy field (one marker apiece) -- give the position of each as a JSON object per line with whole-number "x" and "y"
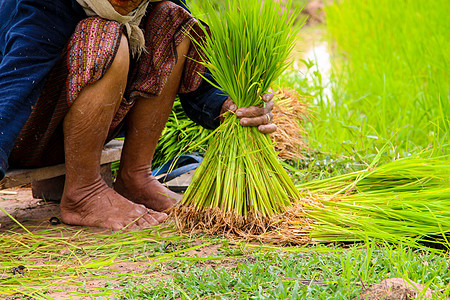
{"x": 374, "y": 78}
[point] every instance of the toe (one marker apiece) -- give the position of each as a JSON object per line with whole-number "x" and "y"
{"x": 133, "y": 227}
{"x": 114, "y": 226}
{"x": 140, "y": 209}
{"x": 159, "y": 216}
{"x": 150, "y": 220}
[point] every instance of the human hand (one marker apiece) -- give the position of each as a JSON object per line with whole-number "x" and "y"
{"x": 253, "y": 115}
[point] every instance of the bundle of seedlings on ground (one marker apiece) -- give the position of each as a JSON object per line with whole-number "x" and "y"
{"x": 407, "y": 200}
{"x": 241, "y": 184}
{"x": 289, "y": 114}
{"x": 180, "y": 135}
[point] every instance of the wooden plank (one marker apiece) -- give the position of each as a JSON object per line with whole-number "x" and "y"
{"x": 23, "y": 176}
{"x": 181, "y": 183}
{"x": 111, "y": 152}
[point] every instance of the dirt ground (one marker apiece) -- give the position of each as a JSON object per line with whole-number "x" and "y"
{"x": 20, "y": 204}
{"x": 35, "y": 215}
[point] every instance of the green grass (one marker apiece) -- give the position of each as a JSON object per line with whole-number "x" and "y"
{"x": 68, "y": 259}
{"x": 303, "y": 273}
{"x": 390, "y": 80}
{"x": 390, "y": 99}
{"x": 161, "y": 264}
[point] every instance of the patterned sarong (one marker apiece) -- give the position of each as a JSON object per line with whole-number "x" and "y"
{"x": 86, "y": 58}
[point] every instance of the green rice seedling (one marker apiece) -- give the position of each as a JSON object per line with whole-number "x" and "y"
{"x": 391, "y": 78}
{"x": 245, "y": 47}
{"x": 406, "y": 200}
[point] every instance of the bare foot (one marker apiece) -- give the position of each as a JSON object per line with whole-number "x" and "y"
{"x": 143, "y": 188}
{"x": 98, "y": 205}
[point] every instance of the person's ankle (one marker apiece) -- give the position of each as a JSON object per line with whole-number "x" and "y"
{"x": 75, "y": 191}
{"x": 129, "y": 175}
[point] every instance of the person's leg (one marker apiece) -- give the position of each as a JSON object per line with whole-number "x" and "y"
{"x": 146, "y": 121}
{"x": 87, "y": 200}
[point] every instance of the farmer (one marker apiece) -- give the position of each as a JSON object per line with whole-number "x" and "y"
{"x": 76, "y": 73}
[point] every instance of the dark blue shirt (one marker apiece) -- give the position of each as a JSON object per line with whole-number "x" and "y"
{"x": 33, "y": 34}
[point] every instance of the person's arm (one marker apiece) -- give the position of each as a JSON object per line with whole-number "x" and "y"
{"x": 204, "y": 105}
{"x": 31, "y": 42}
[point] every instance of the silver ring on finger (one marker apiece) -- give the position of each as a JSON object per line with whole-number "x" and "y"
{"x": 268, "y": 118}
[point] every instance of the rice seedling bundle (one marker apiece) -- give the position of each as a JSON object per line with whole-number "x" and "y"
{"x": 407, "y": 200}
{"x": 289, "y": 114}
{"x": 245, "y": 47}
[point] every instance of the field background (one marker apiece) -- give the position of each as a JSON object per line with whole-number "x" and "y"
{"x": 374, "y": 74}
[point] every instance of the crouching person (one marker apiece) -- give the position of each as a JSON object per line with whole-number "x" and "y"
{"x": 99, "y": 68}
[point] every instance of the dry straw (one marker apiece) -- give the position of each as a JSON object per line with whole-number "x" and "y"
{"x": 246, "y": 47}
{"x": 289, "y": 114}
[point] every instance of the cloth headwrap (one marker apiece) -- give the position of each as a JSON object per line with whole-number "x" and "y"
{"x": 104, "y": 9}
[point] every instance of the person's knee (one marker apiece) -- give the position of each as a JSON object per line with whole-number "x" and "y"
{"x": 97, "y": 47}
{"x": 121, "y": 62}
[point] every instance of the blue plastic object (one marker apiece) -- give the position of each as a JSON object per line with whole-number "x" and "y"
{"x": 183, "y": 164}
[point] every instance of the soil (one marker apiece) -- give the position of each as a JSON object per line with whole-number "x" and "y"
{"x": 394, "y": 289}
{"x": 35, "y": 214}
{"x": 315, "y": 10}
{"x": 20, "y": 204}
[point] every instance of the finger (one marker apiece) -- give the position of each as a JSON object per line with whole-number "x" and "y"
{"x": 228, "y": 105}
{"x": 268, "y": 96}
{"x": 256, "y": 121}
{"x": 269, "y": 128}
{"x": 254, "y": 111}
{"x": 269, "y": 106}
{"x": 250, "y": 112}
